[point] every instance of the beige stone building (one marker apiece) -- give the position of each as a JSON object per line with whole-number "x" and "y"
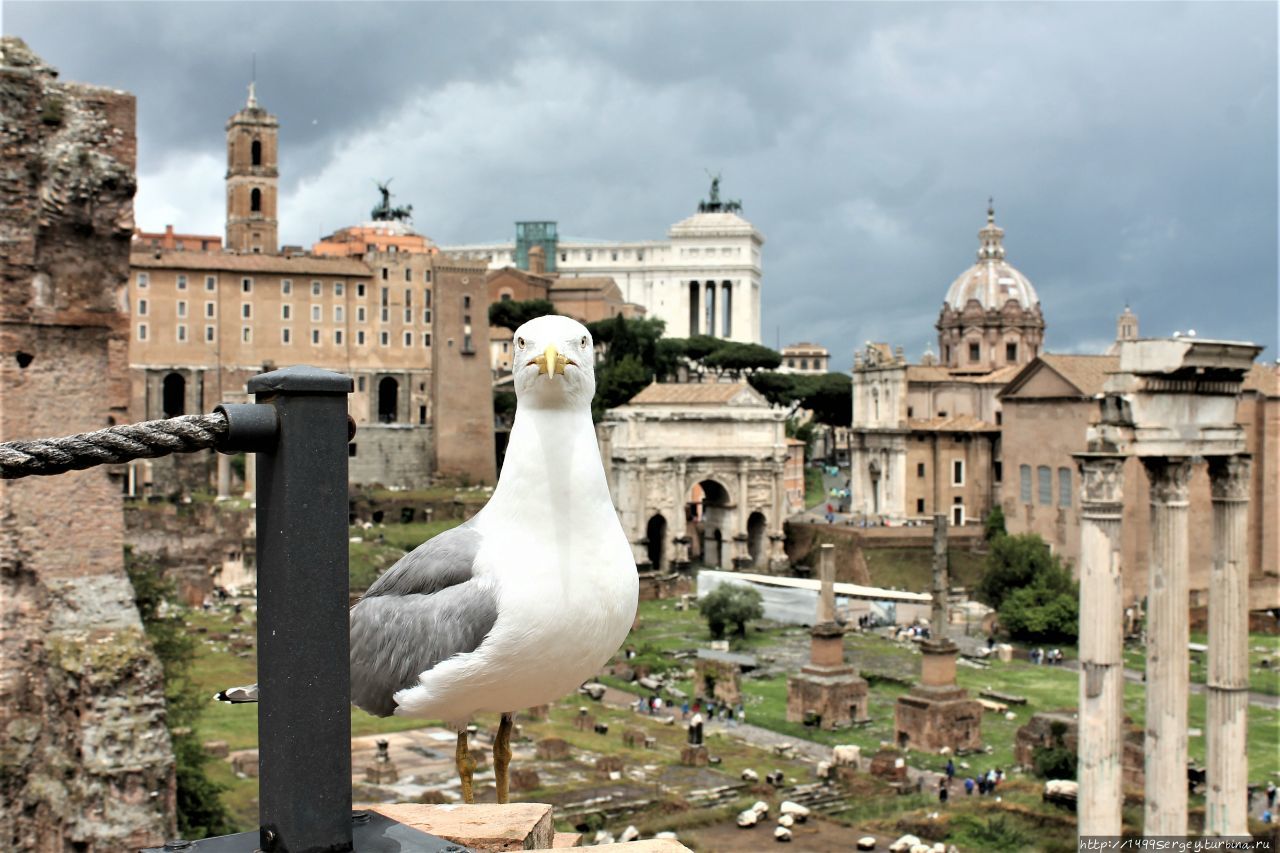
{"x": 995, "y": 421}
{"x": 377, "y": 302}
{"x": 991, "y": 316}
{"x": 586, "y": 299}
{"x": 925, "y": 437}
{"x": 805, "y": 358}
{"x": 697, "y": 471}
{"x": 1048, "y": 409}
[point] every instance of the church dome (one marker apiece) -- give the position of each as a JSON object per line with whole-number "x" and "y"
{"x": 992, "y": 281}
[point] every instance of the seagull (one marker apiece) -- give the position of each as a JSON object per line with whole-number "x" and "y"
{"x": 531, "y": 596}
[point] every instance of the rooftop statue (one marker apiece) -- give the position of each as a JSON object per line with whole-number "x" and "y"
{"x": 713, "y": 204}
{"x": 384, "y": 212}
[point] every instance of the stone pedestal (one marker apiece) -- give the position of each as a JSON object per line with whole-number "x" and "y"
{"x": 525, "y": 779}
{"x": 1227, "y": 699}
{"x": 827, "y": 690}
{"x": 1168, "y": 660}
{"x": 382, "y": 770}
{"x": 694, "y": 756}
{"x": 552, "y": 749}
{"x": 937, "y": 713}
{"x": 717, "y": 680}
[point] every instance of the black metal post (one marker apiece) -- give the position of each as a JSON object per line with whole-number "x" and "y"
{"x": 299, "y": 430}
{"x": 304, "y": 677}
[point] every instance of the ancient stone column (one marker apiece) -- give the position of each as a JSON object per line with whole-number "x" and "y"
{"x": 1168, "y": 661}
{"x": 941, "y": 583}
{"x": 224, "y": 476}
{"x": 1226, "y": 801}
{"x": 1101, "y": 734}
{"x": 827, "y": 577}
{"x": 251, "y": 477}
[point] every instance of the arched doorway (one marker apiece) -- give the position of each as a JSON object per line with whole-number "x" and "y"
{"x": 710, "y": 513}
{"x": 174, "y": 396}
{"x": 388, "y": 400}
{"x": 656, "y": 533}
{"x": 755, "y": 538}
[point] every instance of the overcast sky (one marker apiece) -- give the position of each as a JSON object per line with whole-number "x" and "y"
{"x": 1131, "y": 148}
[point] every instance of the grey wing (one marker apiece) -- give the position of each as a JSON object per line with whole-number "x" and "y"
{"x": 443, "y": 560}
{"x": 425, "y": 609}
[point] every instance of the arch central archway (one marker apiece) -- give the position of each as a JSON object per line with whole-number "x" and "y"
{"x": 710, "y": 514}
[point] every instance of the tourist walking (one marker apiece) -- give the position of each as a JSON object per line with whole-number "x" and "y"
{"x": 942, "y": 790}
{"x": 951, "y": 770}
{"x": 968, "y": 786}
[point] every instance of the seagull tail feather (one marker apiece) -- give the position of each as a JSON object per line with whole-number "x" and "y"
{"x": 238, "y": 695}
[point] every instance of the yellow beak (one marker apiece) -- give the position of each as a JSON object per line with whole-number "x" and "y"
{"x": 550, "y": 362}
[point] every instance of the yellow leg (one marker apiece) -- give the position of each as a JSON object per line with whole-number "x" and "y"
{"x": 466, "y": 766}
{"x": 502, "y": 757}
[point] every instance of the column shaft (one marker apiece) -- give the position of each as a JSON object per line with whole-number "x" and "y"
{"x": 1168, "y": 661}
{"x": 250, "y": 477}
{"x": 1226, "y": 804}
{"x": 1101, "y": 726}
{"x": 224, "y": 476}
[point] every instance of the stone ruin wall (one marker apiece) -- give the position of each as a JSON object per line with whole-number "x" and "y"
{"x": 85, "y": 759}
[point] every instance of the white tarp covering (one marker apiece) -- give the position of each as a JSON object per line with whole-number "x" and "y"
{"x": 794, "y": 601}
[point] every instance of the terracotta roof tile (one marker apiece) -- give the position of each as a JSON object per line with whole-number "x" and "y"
{"x": 1086, "y": 372}
{"x": 692, "y": 393}
{"x": 952, "y": 423}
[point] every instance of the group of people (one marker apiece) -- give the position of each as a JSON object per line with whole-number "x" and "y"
{"x": 983, "y": 783}
{"x": 1268, "y": 814}
{"x": 1040, "y": 656}
{"x": 722, "y": 711}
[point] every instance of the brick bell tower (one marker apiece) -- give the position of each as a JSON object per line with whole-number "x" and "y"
{"x": 252, "y": 179}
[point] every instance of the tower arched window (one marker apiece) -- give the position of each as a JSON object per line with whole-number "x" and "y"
{"x": 255, "y": 200}
{"x": 255, "y": 152}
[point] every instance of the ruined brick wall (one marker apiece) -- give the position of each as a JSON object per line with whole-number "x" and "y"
{"x": 85, "y": 759}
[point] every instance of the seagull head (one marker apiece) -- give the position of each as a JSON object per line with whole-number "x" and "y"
{"x": 554, "y": 363}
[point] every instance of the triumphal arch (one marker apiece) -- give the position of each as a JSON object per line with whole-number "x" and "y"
{"x": 696, "y": 471}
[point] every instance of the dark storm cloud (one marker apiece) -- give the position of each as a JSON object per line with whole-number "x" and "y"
{"x": 1131, "y": 149}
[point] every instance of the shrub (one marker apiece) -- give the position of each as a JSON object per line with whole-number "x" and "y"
{"x": 731, "y": 605}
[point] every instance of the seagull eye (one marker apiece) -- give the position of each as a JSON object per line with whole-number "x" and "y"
{"x": 520, "y": 342}
{"x": 583, "y": 343}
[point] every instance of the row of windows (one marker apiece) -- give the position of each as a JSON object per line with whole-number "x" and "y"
{"x": 1044, "y": 485}
{"x": 975, "y": 352}
{"x": 957, "y": 471}
{"x": 286, "y": 312}
{"x": 408, "y": 274}
{"x": 286, "y": 287}
{"x": 286, "y": 336}
{"x": 957, "y": 511}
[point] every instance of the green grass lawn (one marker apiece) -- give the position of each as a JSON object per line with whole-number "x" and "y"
{"x": 663, "y": 629}
{"x": 814, "y": 492}
{"x": 1261, "y": 647}
{"x": 382, "y": 545}
{"x": 912, "y": 568}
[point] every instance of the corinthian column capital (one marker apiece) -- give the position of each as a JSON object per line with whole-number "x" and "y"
{"x": 1170, "y": 478}
{"x": 1229, "y": 477}
{"x": 1101, "y": 480}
